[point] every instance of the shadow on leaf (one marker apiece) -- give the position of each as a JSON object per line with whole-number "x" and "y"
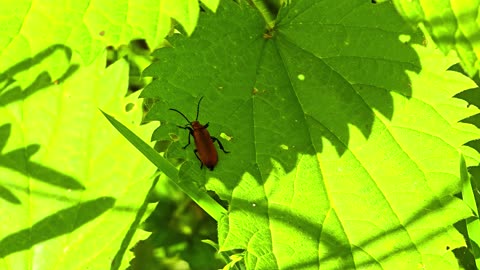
{"x": 8, "y": 195}
{"x": 60, "y": 223}
{"x": 43, "y": 80}
{"x": 18, "y": 160}
{"x": 337, "y": 250}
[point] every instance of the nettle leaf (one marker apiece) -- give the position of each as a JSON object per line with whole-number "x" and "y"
{"x": 73, "y": 188}
{"x": 452, "y": 25}
{"x": 344, "y": 136}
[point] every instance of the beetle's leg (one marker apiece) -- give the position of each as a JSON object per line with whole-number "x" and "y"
{"x": 219, "y": 144}
{"x": 196, "y": 154}
{"x": 206, "y": 125}
{"x": 190, "y": 133}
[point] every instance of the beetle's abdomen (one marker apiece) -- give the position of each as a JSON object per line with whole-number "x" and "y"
{"x": 205, "y": 148}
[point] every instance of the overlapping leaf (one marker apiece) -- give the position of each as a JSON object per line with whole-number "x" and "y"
{"x": 89, "y": 26}
{"x": 454, "y": 25}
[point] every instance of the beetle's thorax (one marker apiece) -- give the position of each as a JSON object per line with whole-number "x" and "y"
{"x": 197, "y": 125}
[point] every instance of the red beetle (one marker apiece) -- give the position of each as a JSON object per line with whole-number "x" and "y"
{"x": 205, "y": 150}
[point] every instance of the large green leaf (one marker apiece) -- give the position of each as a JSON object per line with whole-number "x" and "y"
{"x": 344, "y": 136}
{"x": 454, "y": 25}
{"x": 75, "y": 188}
{"x": 72, "y": 190}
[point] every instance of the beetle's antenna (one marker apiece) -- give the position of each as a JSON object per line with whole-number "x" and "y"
{"x": 198, "y": 108}
{"x": 175, "y": 110}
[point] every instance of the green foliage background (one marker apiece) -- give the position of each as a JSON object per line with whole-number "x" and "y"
{"x": 346, "y": 125}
